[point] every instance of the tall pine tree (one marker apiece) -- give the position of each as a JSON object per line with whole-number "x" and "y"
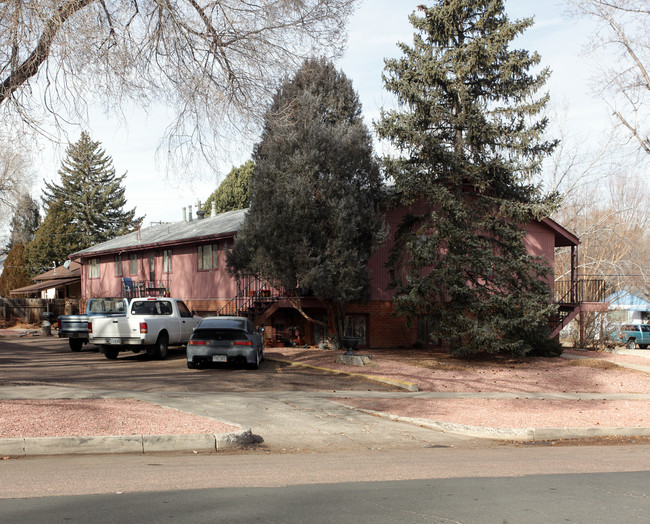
{"x": 469, "y": 130}
{"x": 25, "y": 221}
{"x": 54, "y": 239}
{"x": 313, "y": 220}
{"x": 15, "y": 273}
{"x": 93, "y": 193}
{"x": 233, "y": 193}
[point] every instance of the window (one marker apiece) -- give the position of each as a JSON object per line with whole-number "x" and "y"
{"x": 118, "y": 266}
{"x": 321, "y": 332}
{"x": 208, "y": 257}
{"x": 167, "y": 261}
{"x": 133, "y": 264}
{"x": 355, "y": 326}
{"x": 425, "y": 332}
{"x": 183, "y": 310}
{"x": 94, "y": 268}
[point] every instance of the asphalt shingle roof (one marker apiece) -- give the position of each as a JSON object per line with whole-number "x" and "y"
{"x": 220, "y": 225}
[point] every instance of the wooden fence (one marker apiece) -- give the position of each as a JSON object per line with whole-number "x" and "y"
{"x": 30, "y": 310}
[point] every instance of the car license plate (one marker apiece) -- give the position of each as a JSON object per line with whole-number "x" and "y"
{"x": 114, "y": 341}
{"x": 219, "y": 358}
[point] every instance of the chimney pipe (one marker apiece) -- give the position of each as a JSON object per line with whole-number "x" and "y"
{"x": 214, "y": 208}
{"x": 190, "y": 213}
{"x": 184, "y": 215}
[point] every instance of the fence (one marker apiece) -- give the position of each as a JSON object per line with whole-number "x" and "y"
{"x": 30, "y": 310}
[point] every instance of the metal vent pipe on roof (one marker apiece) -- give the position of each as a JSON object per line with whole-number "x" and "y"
{"x": 184, "y": 215}
{"x": 190, "y": 213}
{"x": 214, "y": 209}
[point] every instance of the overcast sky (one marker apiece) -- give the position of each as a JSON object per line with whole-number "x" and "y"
{"x": 374, "y": 32}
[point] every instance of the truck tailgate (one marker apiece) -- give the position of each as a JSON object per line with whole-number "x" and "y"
{"x": 114, "y": 328}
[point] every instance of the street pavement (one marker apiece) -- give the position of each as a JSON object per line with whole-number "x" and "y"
{"x": 288, "y": 421}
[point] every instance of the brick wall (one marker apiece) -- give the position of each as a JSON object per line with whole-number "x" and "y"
{"x": 205, "y": 307}
{"x": 385, "y": 330}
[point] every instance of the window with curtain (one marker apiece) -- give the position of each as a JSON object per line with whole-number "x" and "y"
{"x": 133, "y": 264}
{"x": 208, "y": 257}
{"x": 167, "y": 261}
{"x": 94, "y": 268}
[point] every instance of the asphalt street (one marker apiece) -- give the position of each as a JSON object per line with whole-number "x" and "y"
{"x": 578, "y": 498}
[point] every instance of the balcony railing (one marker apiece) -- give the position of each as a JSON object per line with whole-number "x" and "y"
{"x": 576, "y": 292}
{"x": 144, "y": 288}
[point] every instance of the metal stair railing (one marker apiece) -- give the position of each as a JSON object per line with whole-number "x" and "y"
{"x": 253, "y": 298}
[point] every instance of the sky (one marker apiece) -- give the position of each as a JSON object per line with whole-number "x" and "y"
{"x": 374, "y": 31}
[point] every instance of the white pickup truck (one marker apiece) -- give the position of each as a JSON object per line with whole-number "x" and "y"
{"x": 152, "y": 324}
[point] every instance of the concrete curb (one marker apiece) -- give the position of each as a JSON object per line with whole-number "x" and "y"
{"x": 519, "y": 434}
{"x": 141, "y": 444}
{"x": 408, "y": 386}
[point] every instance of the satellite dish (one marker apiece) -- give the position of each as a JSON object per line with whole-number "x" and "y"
{"x": 66, "y": 264}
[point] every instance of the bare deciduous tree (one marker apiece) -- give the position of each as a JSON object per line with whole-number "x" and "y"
{"x": 15, "y": 180}
{"x": 613, "y": 222}
{"x": 213, "y": 61}
{"x": 624, "y": 82}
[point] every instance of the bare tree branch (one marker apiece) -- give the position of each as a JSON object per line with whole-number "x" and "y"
{"x": 625, "y": 84}
{"x": 213, "y": 63}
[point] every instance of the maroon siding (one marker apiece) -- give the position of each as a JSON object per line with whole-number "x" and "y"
{"x": 208, "y": 291}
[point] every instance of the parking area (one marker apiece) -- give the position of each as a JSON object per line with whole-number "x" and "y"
{"x": 43, "y": 360}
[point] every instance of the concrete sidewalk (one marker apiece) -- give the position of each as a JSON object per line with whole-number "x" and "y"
{"x": 295, "y": 421}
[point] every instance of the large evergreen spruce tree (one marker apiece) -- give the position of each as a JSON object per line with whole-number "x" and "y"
{"x": 313, "y": 220}
{"x": 55, "y": 239}
{"x": 469, "y": 130}
{"x": 93, "y": 193}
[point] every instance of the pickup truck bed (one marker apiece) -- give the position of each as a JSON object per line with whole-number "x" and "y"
{"x": 75, "y": 327}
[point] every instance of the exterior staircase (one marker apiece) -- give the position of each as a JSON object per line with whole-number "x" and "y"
{"x": 574, "y": 297}
{"x": 256, "y": 300}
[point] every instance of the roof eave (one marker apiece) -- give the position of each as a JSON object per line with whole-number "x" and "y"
{"x": 152, "y": 245}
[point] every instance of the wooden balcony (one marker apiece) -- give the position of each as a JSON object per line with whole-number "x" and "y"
{"x": 144, "y": 288}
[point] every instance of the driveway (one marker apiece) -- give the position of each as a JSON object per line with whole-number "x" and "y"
{"x": 49, "y": 361}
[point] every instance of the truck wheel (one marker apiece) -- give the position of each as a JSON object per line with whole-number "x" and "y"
{"x": 75, "y": 344}
{"x": 191, "y": 365}
{"x": 643, "y": 346}
{"x": 631, "y": 344}
{"x": 162, "y": 344}
{"x": 111, "y": 353}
